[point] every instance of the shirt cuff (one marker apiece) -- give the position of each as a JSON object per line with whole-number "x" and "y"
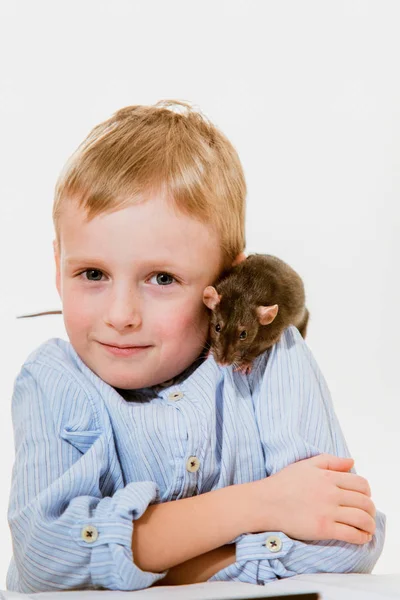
{"x": 109, "y": 534}
{"x": 261, "y": 546}
{"x": 253, "y": 550}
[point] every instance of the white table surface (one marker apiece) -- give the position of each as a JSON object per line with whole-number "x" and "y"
{"x": 330, "y": 586}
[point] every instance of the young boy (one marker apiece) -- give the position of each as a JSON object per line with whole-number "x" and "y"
{"x": 139, "y": 460}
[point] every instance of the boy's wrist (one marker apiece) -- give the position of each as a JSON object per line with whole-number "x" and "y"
{"x": 260, "y": 511}
{"x": 245, "y": 498}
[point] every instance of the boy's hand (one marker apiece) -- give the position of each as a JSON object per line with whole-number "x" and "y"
{"x": 317, "y": 499}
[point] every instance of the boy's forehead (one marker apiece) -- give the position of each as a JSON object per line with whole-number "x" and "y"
{"x": 154, "y": 213}
{"x": 150, "y": 232}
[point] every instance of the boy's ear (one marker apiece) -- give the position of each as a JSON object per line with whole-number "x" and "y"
{"x": 57, "y": 261}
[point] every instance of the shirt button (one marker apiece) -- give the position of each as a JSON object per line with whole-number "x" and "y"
{"x": 175, "y": 396}
{"x": 273, "y": 543}
{"x": 89, "y": 534}
{"x": 192, "y": 464}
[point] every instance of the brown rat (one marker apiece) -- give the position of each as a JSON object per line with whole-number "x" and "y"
{"x": 251, "y": 305}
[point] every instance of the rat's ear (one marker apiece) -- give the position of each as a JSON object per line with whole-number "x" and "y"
{"x": 211, "y": 298}
{"x": 240, "y": 258}
{"x": 266, "y": 314}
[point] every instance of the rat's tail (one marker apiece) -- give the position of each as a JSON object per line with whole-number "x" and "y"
{"x": 49, "y": 312}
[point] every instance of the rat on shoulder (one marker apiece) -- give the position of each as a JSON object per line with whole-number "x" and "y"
{"x": 251, "y": 304}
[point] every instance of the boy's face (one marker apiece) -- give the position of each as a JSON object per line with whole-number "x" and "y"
{"x": 135, "y": 277}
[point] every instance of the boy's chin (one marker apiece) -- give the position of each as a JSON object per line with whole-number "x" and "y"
{"x": 131, "y": 381}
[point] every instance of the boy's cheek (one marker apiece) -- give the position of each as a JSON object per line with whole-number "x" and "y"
{"x": 183, "y": 319}
{"x": 76, "y": 315}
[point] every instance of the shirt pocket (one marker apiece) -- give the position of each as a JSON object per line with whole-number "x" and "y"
{"x": 82, "y": 440}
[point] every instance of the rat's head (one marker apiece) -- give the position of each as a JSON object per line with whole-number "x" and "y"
{"x": 151, "y": 206}
{"x": 234, "y": 324}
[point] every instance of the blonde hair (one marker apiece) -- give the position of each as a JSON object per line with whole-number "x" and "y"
{"x": 169, "y": 148}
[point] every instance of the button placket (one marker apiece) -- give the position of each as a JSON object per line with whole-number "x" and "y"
{"x": 195, "y": 419}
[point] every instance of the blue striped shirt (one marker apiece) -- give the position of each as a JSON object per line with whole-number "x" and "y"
{"x": 89, "y": 459}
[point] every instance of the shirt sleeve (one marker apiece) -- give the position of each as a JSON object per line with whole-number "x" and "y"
{"x": 70, "y": 514}
{"x": 296, "y": 420}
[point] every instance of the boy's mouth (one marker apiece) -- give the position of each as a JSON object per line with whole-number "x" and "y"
{"x": 125, "y": 345}
{"x": 124, "y": 350}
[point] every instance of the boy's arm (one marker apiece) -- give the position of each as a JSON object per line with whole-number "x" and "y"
{"x": 200, "y": 568}
{"x": 296, "y": 420}
{"x": 172, "y": 533}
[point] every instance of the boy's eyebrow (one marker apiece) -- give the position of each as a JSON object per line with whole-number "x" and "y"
{"x": 74, "y": 260}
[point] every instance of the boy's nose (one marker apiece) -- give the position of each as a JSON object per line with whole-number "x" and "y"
{"x": 124, "y": 311}
{"x": 120, "y": 320}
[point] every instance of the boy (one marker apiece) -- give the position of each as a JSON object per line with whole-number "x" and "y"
{"x": 130, "y": 415}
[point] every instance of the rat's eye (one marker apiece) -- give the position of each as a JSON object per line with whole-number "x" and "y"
{"x": 218, "y": 327}
{"x": 243, "y": 335}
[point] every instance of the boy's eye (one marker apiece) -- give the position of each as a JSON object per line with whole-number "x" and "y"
{"x": 163, "y": 278}
{"x": 90, "y": 271}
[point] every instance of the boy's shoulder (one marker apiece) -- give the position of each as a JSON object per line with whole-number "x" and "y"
{"x": 54, "y": 376}
{"x": 58, "y": 359}
{"x": 290, "y": 340}
{"x": 55, "y": 352}
{"x": 290, "y": 347}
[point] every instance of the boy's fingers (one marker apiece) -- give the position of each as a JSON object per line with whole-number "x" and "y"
{"x": 357, "y": 500}
{"x": 332, "y": 462}
{"x": 356, "y": 518}
{"x": 346, "y": 533}
{"x": 351, "y": 481}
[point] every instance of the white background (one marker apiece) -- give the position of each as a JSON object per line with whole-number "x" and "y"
{"x": 309, "y": 94}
